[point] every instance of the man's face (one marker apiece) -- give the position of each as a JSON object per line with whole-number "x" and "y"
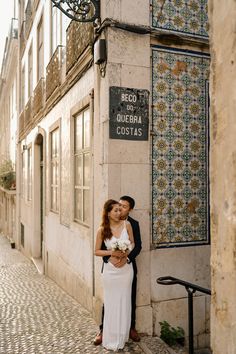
{"x": 124, "y": 209}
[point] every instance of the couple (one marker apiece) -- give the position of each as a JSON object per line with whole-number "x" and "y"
{"x": 119, "y": 273}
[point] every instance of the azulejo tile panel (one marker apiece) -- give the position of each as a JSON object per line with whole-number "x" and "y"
{"x": 183, "y": 16}
{"x": 180, "y": 203}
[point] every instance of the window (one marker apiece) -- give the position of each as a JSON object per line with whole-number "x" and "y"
{"x": 30, "y": 72}
{"x": 65, "y": 24}
{"x": 13, "y": 100}
{"x": 82, "y": 167}
{"x": 40, "y": 69}
{"x": 59, "y": 23}
{"x": 22, "y": 10}
{"x": 56, "y": 28}
{"x": 22, "y": 234}
{"x": 55, "y": 170}
{"x": 29, "y": 177}
{"x": 23, "y": 88}
{"x": 23, "y": 175}
{"x": 11, "y": 108}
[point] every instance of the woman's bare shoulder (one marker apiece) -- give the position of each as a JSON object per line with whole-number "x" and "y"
{"x": 99, "y": 230}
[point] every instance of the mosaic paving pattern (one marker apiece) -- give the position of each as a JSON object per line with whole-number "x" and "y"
{"x": 184, "y": 16}
{"x": 180, "y": 147}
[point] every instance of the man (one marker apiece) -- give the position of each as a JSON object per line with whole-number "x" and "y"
{"x": 127, "y": 204}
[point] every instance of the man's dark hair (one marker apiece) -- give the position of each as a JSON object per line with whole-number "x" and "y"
{"x": 130, "y": 200}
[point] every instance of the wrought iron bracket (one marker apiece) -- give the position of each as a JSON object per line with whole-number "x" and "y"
{"x": 80, "y": 10}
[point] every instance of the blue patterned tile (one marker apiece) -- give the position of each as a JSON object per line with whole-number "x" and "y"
{"x": 180, "y": 202}
{"x": 188, "y": 17}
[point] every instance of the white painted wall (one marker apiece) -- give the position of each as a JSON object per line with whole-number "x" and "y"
{"x": 67, "y": 245}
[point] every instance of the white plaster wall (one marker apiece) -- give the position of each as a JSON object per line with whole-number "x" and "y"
{"x": 68, "y": 246}
{"x": 123, "y": 166}
{"x": 191, "y": 264}
{"x": 223, "y": 176}
{"x": 128, "y": 11}
{"x": 170, "y": 303}
{"x": 175, "y": 312}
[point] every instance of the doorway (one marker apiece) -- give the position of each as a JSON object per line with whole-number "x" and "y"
{"x": 38, "y": 197}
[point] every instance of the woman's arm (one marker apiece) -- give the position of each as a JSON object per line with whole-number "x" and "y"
{"x": 98, "y": 246}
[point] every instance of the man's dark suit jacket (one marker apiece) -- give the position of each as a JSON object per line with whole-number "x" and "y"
{"x": 137, "y": 244}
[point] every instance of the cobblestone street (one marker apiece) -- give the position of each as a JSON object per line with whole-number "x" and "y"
{"x": 39, "y": 317}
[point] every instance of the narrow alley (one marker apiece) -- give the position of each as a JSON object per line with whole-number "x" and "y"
{"x": 38, "y": 317}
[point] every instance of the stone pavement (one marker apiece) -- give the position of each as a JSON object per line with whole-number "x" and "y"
{"x": 38, "y": 317}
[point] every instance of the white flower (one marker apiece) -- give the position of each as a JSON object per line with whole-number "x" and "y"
{"x": 114, "y": 245}
{"x": 121, "y": 245}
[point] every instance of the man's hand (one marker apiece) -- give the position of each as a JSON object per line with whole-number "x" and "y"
{"x": 118, "y": 254}
{"x": 114, "y": 260}
{"x": 118, "y": 258}
{"x": 121, "y": 262}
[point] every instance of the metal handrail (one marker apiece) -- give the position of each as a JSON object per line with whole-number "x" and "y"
{"x": 191, "y": 289}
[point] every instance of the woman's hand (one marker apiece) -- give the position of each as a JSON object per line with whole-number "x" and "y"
{"x": 122, "y": 262}
{"x": 118, "y": 254}
{"x": 114, "y": 260}
{"x": 118, "y": 262}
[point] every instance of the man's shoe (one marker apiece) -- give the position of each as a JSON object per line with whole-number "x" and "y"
{"x": 98, "y": 339}
{"x": 133, "y": 334}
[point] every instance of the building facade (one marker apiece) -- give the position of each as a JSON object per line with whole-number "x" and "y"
{"x": 8, "y": 130}
{"x": 168, "y": 174}
{"x": 96, "y": 124}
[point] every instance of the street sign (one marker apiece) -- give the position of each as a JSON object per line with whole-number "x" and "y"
{"x": 129, "y": 113}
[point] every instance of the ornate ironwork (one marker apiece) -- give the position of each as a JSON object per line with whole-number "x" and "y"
{"x": 78, "y": 37}
{"x": 79, "y": 10}
{"x": 21, "y": 122}
{"x": 53, "y": 71}
{"x": 38, "y": 98}
{"x": 28, "y": 112}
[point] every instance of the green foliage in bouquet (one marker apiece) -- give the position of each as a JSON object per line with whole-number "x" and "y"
{"x": 7, "y": 175}
{"x": 171, "y": 335}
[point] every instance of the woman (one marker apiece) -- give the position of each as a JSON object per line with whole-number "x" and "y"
{"x": 116, "y": 280}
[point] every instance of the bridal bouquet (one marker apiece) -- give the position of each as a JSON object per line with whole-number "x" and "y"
{"x": 121, "y": 245}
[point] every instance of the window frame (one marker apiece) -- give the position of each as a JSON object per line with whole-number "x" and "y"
{"x": 29, "y": 173}
{"x": 30, "y": 71}
{"x": 40, "y": 46}
{"x": 83, "y": 151}
{"x": 54, "y": 161}
{"x": 23, "y": 173}
{"x": 58, "y": 26}
{"x": 22, "y": 88}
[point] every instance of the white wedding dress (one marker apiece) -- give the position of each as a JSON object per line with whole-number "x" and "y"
{"x": 117, "y": 301}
